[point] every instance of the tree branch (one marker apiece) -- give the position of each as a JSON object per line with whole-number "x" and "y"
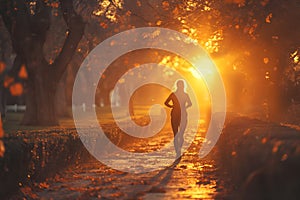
{"x": 5, "y": 13}
{"x": 75, "y": 32}
{"x": 13, "y": 72}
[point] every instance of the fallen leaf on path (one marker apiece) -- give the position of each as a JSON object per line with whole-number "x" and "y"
{"x": 155, "y": 189}
{"x": 28, "y": 192}
{"x": 2, "y": 149}
{"x": 44, "y": 185}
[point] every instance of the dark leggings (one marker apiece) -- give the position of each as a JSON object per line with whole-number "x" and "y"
{"x": 179, "y": 123}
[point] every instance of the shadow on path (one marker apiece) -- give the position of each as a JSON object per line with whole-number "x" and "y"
{"x": 160, "y": 180}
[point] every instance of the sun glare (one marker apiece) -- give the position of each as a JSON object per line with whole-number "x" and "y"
{"x": 195, "y": 73}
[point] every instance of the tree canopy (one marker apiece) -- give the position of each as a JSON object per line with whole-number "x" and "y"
{"x": 254, "y": 43}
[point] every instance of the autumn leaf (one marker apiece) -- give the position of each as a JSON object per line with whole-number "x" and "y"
{"x": 128, "y": 13}
{"x": 165, "y": 5}
{"x": 8, "y": 81}
{"x": 175, "y": 11}
{"x": 55, "y": 5}
{"x": 2, "y": 149}
{"x": 27, "y": 191}
{"x": 2, "y": 67}
{"x": 44, "y": 185}
{"x": 266, "y": 60}
{"x": 264, "y": 140}
{"x": 23, "y": 72}
{"x": 268, "y": 18}
{"x": 103, "y": 25}
{"x": 16, "y": 89}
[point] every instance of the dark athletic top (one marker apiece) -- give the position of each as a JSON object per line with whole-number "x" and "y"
{"x": 180, "y": 101}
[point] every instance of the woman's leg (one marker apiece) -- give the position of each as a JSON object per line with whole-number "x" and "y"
{"x": 181, "y": 131}
{"x": 182, "y": 127}
{"x": 175, "y": 126}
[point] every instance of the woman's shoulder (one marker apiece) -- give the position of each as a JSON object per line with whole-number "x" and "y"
{"x": 171, "y": 95}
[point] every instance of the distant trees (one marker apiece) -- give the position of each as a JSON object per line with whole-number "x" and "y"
{"x": 265, "y": 34}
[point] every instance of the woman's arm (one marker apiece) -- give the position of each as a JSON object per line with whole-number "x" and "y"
{"x": 188, "y": 101}
{"x": 167, "y": 102}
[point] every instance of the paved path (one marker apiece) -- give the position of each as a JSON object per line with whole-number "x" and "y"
{"x": 188, "y": 178}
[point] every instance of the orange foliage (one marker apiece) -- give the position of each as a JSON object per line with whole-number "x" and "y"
{"x": 16, "y": 89}
{"x": 2, "y": 67}
{"x": 23, "y": 72}
{"x": 138, "y": 3}
{"x": 8, "y": 81}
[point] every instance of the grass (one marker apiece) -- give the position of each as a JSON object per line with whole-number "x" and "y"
{"x": 12, "y": 123}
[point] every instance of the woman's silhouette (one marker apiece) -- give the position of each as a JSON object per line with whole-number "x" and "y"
{"x": 180, "y": 102}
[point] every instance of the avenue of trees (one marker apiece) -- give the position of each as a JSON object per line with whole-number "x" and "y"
{"x": 256, "y": 44}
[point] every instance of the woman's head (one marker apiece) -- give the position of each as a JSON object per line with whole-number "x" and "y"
{"x": 180, "y": 85}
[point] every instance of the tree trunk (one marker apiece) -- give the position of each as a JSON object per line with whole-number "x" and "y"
{"x": 28, "y": 33}
{"x": 61, "y": 106}
{"x": 40, "y": 99}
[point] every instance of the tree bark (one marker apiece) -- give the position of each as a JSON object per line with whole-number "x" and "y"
{"x": 28, "y": 34}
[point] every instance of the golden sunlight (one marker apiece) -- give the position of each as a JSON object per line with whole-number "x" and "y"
{"x": 109, "y": 9}
{"x": 296, "y": 59}
{"x": 212, "y": 45}
{"x": 199, "y": 189}
{"x": 195, "y": 73}
{"x": 194, "y": 78}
